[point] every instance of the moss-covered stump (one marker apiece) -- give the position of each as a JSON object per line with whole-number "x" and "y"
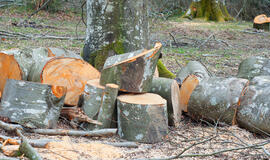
{"x": 261, "y": 22}
{"x": 254, "y": 110}
{"x": 133, "y": 71}
{"x": 169, "y": 90}
{"x": 107, "y": 105}
{"x": 214, "y": 10}
{"x": 32, "y": 105}
{"x": 254, "y": 66}
{"x": 193, "y": 68}
{"x": 142, "y": 117}
{"x": 216, "y": 99}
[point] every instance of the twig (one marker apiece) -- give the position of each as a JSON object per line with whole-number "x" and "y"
{"x": 206, "y": 40}
{"x": 95, "y": 133}
{"x": 173, "y": 38}
{"x": 82, "y": 12}
{"x": 178, "y": 63}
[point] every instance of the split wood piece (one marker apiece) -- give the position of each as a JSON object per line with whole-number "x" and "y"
{"x": 91, "y": 98}
{"x": 107, "y": 105}
{"x": 254, "y": 66}
{"x": 31, "y": 104}
{"x": 193, "y": 68}
{"x": 95, "y": 133}
{"x": 14, "y": 64}
{"x": 133, "y": 71}
{"x": 26, "y": 149}
{"x": 142, "y": 117}
{"x": 169, "y": 89}
{"x": 69, "y": 72}
{"x": 11, "y": 150}
{"x": 187, "y": 87}
{"x": 216, "y": 99}
{"x": 254, "y": 110}
{"x": 76, "y": 114}
{"x": 261, "y": 22}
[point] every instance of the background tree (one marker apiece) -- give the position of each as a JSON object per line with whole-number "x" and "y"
{"x": 214, "y": 10}
{"x": 116, "y": 27}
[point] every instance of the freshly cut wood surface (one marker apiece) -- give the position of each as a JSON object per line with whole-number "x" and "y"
{"x": 186, "y": 90}
{"x": 70, "y": 72}
{"x": 9, "y": 69}
{"x": 260, "y": 19}
{"x": 144, "y": 99}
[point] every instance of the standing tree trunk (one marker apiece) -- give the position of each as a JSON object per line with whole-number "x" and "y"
{"x": 115, "y": 27}
{"x": 214, "y": 10}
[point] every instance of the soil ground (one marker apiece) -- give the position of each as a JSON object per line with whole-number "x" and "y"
{"x": 219, "y": 46}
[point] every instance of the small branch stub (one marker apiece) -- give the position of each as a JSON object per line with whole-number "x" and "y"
{"x": 142, "y": 117}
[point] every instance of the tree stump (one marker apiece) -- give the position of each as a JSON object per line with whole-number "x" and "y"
{"x": 254, "y": 110}
{"x": 254, "y": 66}
{"x": 169, "y": 90}
{"x": 216, "y": 99}
{"x": 261, "y": 22}
{"x": 133, "y": 72}
{"x": 142, "y": 117}
{"x": 69, "y": 72}
{"x": 32, "y": 105}
{"x": 193, "y": 68}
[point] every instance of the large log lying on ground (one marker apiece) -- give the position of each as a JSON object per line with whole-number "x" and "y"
{"x": 133, "y": 71}
{"x": 142, "y": 117}
{"x": 169, "y": 89}
{"x": 254, "y": 66}
{"x": 216, "y": 99}
{"x": 72, "y": 73}
{"x": 254, "y": 111}
{"x": 32, "y": 105}
{"x": 261, "y": 22}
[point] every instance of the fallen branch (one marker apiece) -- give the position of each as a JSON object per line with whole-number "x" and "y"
{"x": 10, "y": 127}
{"x": 95, "y": 133}
{"x": 122, "y": 144}
{"x": 27, "y": 149}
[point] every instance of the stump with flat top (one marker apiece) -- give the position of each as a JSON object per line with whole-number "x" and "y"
{"x": 169, "y": 90}
{"x": 32, "y": 105}
{"x": 261, "y": 22}
{"x": 133, "y": 71}
{"x": 142, "y": 117}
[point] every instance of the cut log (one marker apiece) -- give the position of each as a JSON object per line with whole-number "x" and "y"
{"x": 69, "y": 72}
{"x": 187, "y": 87}
{"x": 107, "y": 105}
{"x": 32, "y": 105}
{"x": 193, "y": 68}
{"x": 91, "y": 98}
{"x": 142, "y": 117}
{"x": 254, "y": 110}
{"x": 11, "y": 150}
{"x": 169, "y": 89}
{"x": 216, "y": 99}
{"x": 133, "y": 72}
{"x": 261, "y": 22}
{"x": 254, "y": 66}
{"x": 59, "y": 52}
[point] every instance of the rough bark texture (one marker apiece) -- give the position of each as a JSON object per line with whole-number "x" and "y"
{"x": 169, "y": 89}
{"x": 214, "y": 10}
{"x": 193, "y": 68}
{"x": 142, "y": 122}
{"x": 107, "y": 105}
{"x": 33, "y": 105}
{"x": 254, "y": 66}
{"x": 133, "y": 71}
{"x": 254, "y": 110}
{"x": 216, "y": 99}
{"x": 109, "y": 31}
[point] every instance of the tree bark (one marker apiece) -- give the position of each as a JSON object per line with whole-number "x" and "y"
{"x": 214, "y": 10}
{"x": 254, "y": 66}
{"x": 32, "y": 105}
{"x": 133, "y": 71}
{"x": 142, "y": 117}
{"x": 215, "y": 99}
{"x": 254, "y": 110}
{"x": 169, "y": 89}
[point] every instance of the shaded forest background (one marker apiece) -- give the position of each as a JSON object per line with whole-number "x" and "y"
{"x": 241, "y": 9}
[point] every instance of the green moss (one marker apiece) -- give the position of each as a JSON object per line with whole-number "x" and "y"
{"x": 163, "y": 71}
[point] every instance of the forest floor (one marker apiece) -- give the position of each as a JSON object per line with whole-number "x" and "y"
{"x": 219, "y": 46}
